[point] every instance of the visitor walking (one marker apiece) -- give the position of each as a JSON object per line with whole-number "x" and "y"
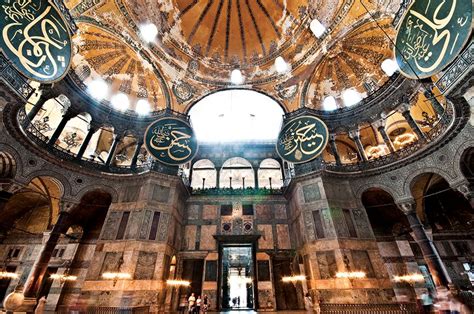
{"x": 427, "y": 302}
{"x": 205, "y": 303}
{"x": 198, "y": 304}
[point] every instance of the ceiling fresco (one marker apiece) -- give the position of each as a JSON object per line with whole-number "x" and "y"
{"x": 199, "y": 42}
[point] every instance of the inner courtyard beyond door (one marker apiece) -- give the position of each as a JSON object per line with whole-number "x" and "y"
{"x": 237, "y": 280}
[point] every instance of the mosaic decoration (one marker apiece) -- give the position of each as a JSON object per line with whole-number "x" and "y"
{"x": 431, "y": 35}
{"x": 36, "y": 39}
{"x": 302, "y": 139}
{"x": 171, "y": 141}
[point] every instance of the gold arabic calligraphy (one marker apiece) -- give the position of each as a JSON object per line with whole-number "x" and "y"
{"x": 427, "y": 38}
{"x": 174, "y": 142}
{"x": 37, "y": 38}
{"x": 301, "y": 138}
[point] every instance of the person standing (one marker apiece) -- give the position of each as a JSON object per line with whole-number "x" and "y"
{"x": 205, "y": 303}
{"x": 427, "y": 302}
{"x": 191, "y": 303}
{"x": 198, "y": 304}
{"x": 308, "y": 303}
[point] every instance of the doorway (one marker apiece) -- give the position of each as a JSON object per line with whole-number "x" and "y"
{"x": 238, "y": 278}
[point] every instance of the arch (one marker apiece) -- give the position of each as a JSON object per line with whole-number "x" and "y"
{"x": 99, "y": 146}
{"x": 91, "y": 210}
{"x": 74, "y": 132}
{"x": 50, "y": 115}
{"x": 385, "y": 218}
{"x": 376, "y": 186}
{"x": 407, "y": 185}
{"x": 16, "y": 157}
{"x": 7, "y": 166}
{"x": 467, "y": 164}
{"x": 235, "y": 171}
{"x": 99, "y": 187}
{"x": 204, "y": 174}
{"x": 270, "y": 174}
{"x": 236, "y": 115}
{"x": 459, "y": 155}
{"x": 62, "y": 181}
{"x": 125, "y": 149}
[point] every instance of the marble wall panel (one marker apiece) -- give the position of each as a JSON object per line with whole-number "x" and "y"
{"x": 362, "y": 223}
{"x": 190, "y": 236}
{"x": 144, "y": 230}
{"x": 133, "y": 225}
{"x": 111, "y": 225}
{"x": 131, "y": 194}
{"x": 266, "y": 239}
{"x": 283, "y": 237}
{"x": 264, "y": 212}
{"x": 311, "y": 193}
{"x": 112, "y": 262}
{"x": 329, "y": 231}
{"x": 210, "y": 211}
{"x": 207, "y": 240}
{"x": 308, "y": 223}
{"x": 339, "y": 222}
{"x": 160, "y": 193}
{"x": 145, "y": 265}
{"x": 163, "y": 227}
{"x": 193, "y": 212}
{"x": 280, "y": 211}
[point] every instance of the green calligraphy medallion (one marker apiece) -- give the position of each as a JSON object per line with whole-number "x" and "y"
{"x": 35, "y": 39}
{"x": 431, "y": 35}
{"x": 171, "y": 141}
{"x": 302, "y": 139}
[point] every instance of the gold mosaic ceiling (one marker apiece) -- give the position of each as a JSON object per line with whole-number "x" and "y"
{"x": 200, "y": 41}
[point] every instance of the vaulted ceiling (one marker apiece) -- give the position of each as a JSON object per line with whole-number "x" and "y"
{"x": 200, "y": 42}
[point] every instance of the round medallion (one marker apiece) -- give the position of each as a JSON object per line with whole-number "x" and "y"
{"x": 171, "y": 141}
{"x": 431, "y": 35}
{"x": 36, "y": 39}
{"x": 302, "y": 139}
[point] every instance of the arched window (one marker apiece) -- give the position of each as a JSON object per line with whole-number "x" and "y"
{"x": 100, "y": 144}
{"x": 125, "y": 150}
{"x": 204, "y": 175}
{"x": 75, "y": 132}
{"x": 269, "y": 174}
{"x": 50, "y": 115}
{"x": 237, "y": 173}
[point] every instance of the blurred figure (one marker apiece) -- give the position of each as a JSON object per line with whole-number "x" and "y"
{"x": 456, "y": 306}
{"x": 41, "y": 305}
{"x": 191, "y": 303}
{"x": 308, "y": 303}
{"x": 427, "y": 302}
{"x": 442, "y": 301}
{"x": 205, "y": 303}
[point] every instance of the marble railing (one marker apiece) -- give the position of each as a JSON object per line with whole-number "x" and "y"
{"x": 388, "y": 308}
{"x": 230, "y": 191}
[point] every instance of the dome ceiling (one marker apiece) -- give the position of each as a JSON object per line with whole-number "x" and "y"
{"x": 199, "y": 42}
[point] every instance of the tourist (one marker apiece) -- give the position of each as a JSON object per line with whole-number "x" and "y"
{"x": 205, "y": 303}
{"x": 191, "y": 303}
{"x": 198, "y": 304}
{"x": 308, "y": 303}
{"x": 427, "y": 302}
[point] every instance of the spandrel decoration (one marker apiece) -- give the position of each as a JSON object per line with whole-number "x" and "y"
{"x": 431, "y": 35}
{"x": 35, "y": 39}
{"x": 171, "y": 141}
{"x": 302, "y": 139}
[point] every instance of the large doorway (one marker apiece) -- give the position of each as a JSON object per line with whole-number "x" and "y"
{"x": 238, "y": 278}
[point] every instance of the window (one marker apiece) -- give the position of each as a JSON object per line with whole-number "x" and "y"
{"x": 350, "y": 223}
{"x": 14, "y": 253}
{"x": 226, "y": 210}
{"x": 122, "y": 226}
{"x": 318, "y": 224}
{"x": 247, "y": 209}
{"x": 236, "y": 115}
{"x": 154, "y": 226}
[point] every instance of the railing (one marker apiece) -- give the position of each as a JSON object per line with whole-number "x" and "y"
{"x": 103, "y": 310}
{"x": 14, "y": 80}
{"x": 444, "y": 124}
{"x": 231, "y": 191}
{"x": 41, "y": 140}
{"x": 389, "y": 308}
{"x": 461, "y": 66}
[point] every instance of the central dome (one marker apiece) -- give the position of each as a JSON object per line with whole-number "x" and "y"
{"x": 231, "y": 31}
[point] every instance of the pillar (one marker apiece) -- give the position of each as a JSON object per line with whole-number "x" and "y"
{"x": 218, "y": 174}
{"x": 380, "y": 125}
{"x": 355, "y": 135}
{"x": 112, "y": 150}
{"x": 135, "y": 155}
{"x": 405, "y": 111}
{"x": 438, "y": 108}
{"x": 85, "y": 143}
{"x": 46, "y": 94}
{"x": 430, "y": 254}
{"x": 33, "y": 284}
{"x": 255, "y": 175}
{"x": 332, "y": 143}
{"x": 60, "y": 128}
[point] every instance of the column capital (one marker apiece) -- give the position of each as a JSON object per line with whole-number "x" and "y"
{"x": 466, "y": 189}
{"x": 354, "y": 134}
{"x": 332, "y": 137}
{"x": 404, "y": 108}
{"x": 407, "y": 206}
{"x": 66, "y": 205}
{"x": 379, "y": 123}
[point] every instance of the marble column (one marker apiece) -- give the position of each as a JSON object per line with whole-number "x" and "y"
{"x": 355, "y": 135}
{"x": 218, "y": 174}
{"x": 111, "y": 156}
{"x": 46, "y": 95}
{"x": 380, "y": 125}
{"x": 332, "y": 143}
{"x": 430, "y": 254}
{"x": 405, "y": 111}
{"x": 33, "y": 283}
{"x": 255, "y": 174}
{"x": 438, "y": 108}
{"x": 66, "y": 117}
{"x": 85, "y": 143}
{"x": 137, "y": 152}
